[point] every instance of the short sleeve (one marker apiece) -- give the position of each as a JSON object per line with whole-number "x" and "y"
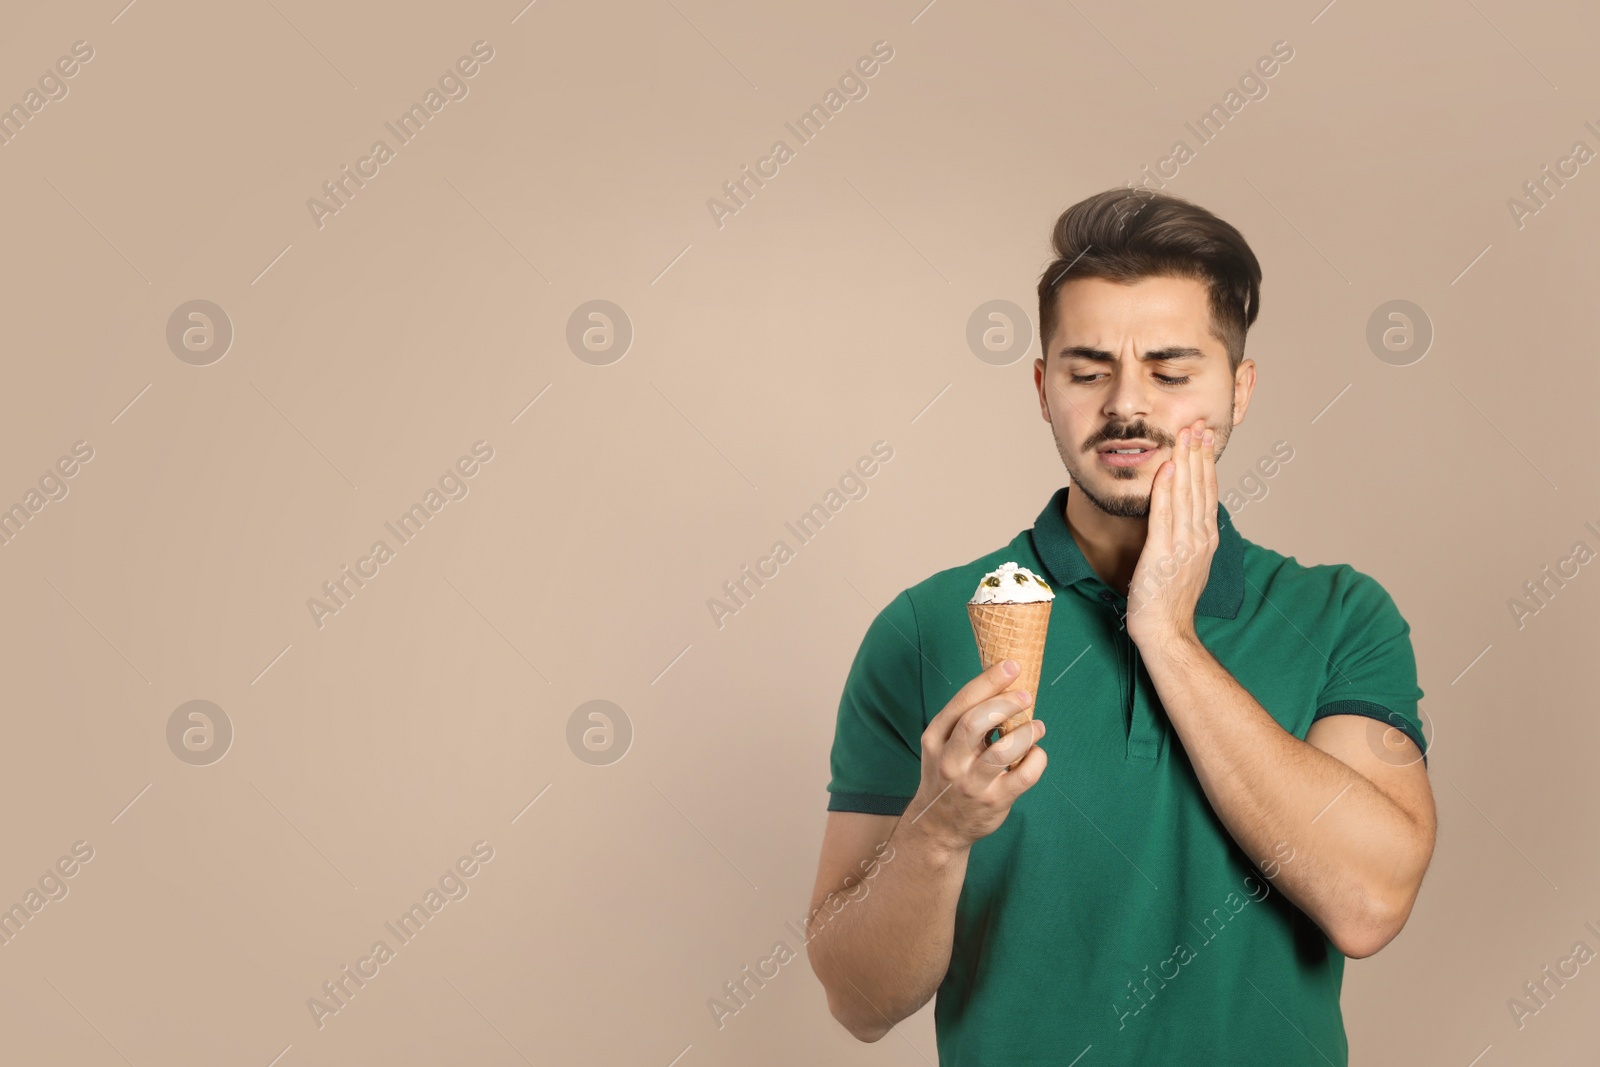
{"x": 1373, "y": 670}
{"x": 876, "y": 761}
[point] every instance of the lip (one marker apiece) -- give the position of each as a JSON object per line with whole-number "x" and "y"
{"x": 1135, "y": 460}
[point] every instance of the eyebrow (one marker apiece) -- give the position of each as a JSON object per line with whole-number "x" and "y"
{"x": 1160, "y": 355}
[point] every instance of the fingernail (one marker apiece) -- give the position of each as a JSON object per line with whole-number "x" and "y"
{"x": 1009, "y": 667}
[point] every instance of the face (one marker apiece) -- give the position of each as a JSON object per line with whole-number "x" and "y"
{"x": 1100, "y": 391}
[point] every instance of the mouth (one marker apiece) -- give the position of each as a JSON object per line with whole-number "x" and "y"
{"x": 1126, "y": 453}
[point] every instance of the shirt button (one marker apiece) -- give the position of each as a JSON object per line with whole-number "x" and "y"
{"x": 1105, "y": 594}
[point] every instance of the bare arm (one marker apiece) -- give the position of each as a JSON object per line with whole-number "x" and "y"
{"x": 1361, "y": 827}
{"x": 883, "y": 911}
{"x": 879, "y": 940}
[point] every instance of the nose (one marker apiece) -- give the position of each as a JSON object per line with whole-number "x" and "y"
{"x": 1128, "y": 399}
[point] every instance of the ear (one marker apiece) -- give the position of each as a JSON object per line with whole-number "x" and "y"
{"x": 1038, "y": 384}
{"x": 1244, "y": 383}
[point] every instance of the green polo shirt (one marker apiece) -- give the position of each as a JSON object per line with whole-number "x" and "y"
{"x": 1112, "y": 915}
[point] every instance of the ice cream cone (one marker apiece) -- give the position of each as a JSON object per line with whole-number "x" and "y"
{"x": 1013, "y": 631}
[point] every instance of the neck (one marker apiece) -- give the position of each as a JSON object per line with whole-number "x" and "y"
{"x": 1111, "y": 544}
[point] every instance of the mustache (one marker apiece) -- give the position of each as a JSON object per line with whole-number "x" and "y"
{"x": 1132, "y": 434}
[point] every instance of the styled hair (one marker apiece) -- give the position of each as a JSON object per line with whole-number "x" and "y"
{"x": 1125, "y": 234}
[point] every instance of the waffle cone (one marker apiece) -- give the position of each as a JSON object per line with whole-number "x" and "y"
{"x": 1013, "y": 631}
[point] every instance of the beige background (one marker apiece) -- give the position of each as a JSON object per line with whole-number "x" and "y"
{"x": 829, "y": 313}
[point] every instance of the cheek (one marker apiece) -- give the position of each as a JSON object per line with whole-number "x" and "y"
{"x": 1223, "y": 428}
{"x": 1213, "y": 410}
{"x": 1070, "y": 428}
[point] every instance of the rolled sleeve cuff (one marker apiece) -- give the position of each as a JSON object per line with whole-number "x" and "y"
{"x": 867, "y": 803}
{"x": 1382, "y": 714}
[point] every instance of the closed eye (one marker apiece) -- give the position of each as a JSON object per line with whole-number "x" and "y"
{"x": 1164, "y": 379}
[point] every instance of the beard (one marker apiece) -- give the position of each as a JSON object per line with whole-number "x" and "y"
{"x": 1124, "y": 492}
{"x": 1131, "y": 503}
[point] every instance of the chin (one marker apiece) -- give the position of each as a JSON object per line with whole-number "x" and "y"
{"x": 1113, "y": 497}
{"x": 1129, "y": 507}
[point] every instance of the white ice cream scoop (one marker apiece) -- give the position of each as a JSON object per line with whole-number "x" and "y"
{"x": 1011, "y": 584}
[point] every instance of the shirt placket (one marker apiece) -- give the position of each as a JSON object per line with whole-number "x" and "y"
{"x": 1144, "y": 731}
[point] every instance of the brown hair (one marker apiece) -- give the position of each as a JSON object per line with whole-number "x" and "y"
{"x": 1125, "y": 234}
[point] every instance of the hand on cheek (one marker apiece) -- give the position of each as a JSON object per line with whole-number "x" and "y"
{"x": 1180, "y": 539}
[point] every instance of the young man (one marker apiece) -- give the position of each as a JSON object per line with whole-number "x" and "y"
{"x": 1223, "y": 721}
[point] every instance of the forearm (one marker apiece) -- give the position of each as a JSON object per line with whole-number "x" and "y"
{"x": 882, "y": 954}
{"x": 1356, "y": 854}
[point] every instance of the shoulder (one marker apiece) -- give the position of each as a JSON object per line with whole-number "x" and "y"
{"x": 1337, "y": 588}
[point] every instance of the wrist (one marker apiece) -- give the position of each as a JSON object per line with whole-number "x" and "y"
{"x": 919, "y": 829}
{"x": 1166, "y": 641}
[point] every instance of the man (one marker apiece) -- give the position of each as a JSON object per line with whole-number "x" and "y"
{"x": 1223, "y": 720}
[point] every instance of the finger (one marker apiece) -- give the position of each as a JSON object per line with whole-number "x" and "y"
{"x": 970, "y": 738}
{"x": 1183, "y": 487}
{"x": 1160, "y": 522}
{"x": 1209, "y": 452}
{"x": 986, "y": 685}
{"x": 1157, "y": 540}
{"x": 1197, "y": 477}
{"x": 1013, "y": 746}
{"x": 1030, "y": 770}
{"x": 1181, "y": 503}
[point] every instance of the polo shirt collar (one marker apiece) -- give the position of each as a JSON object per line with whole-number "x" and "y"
{"x": 1059, "y": 552}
